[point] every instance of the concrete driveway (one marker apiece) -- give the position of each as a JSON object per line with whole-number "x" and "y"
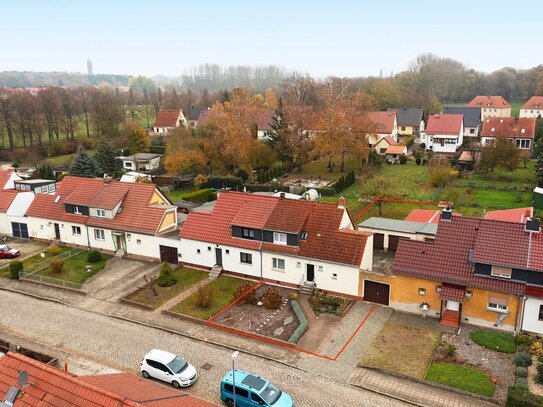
{"x": 28, "y": 248}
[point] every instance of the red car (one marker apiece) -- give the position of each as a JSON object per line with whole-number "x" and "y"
{"x": 7, "y": 252}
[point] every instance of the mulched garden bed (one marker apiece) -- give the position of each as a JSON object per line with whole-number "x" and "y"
{"x": 261, "y": 320}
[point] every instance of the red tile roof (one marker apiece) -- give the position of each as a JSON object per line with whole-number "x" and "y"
{"x": 424, "y": 216}
{"x": 167, "y": 118}
{"x": 145, "y": 392}
{"x": 511, "y": 215}
{"x": 4, "y": 177}
{"x": 509, "y": 127}
{"x": 445, "y": 124}
{"x": 384, "y": 121}
{"x": 320, "y": 221}
{"x": 204, "y": 116}
{"x": 264, "y": 120}
{"x": 137, "y": 214}
{"x": 6, "y": 198}
{"x": 451, "y": 292}
{"x": 495, "y": 102}
{"x": 533, "y": 291}
{"x": 535, "y": 102}
{"x": 396, "y": 149}
{"x": 466, "y": 156}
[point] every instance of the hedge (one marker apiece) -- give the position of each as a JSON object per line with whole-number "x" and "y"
{"x": 522, "y": 398}
{"x": 15, "y": 267}
{"x": 202, "y": 195}
{"x": 224, "y": 182}
{"x": 157, "y": 149}
{"x": 297, "y": 334}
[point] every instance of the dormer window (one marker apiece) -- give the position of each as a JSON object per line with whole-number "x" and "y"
{"x": 77, "y": 211}
{"x": 303, "y": 236}
{"x": 101, "y": 213}
{"x": 279, "y": 238}
{"x": 247, "y": 233}
{"x": 498, "y": 271}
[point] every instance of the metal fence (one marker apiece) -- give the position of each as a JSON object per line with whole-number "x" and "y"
{"x": 46, "y": 263}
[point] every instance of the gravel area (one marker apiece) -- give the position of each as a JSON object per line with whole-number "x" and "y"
{"x": 500, "y": 366}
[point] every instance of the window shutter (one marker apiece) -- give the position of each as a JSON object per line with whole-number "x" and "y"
{"x": 498, "y": 300}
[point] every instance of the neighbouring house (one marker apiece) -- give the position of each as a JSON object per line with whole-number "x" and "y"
{"x": 518, "y": 215}
{"x": 393, "y": 153}
{"x": 409, "y": 120}
{"x": 388, "y": 232}
{"x": 476, "y": 270}
{"x": 385, "y": 125}
{"x": 521, "y": 131}
{"x": 472, "y": 119}
{"x": 263, "y": 124}
{"x": 141, "y": 162}
{"x": 107, "y": 215}
{"x": 49, "y": 386}
{"x": 133, "y": 176}
{"x": 383, "y": 145}
{"x": 203, "y": 117}
{"x": 291, "y": 242}
{"x": 304, "y": 120}
{"x": 194, "y": 115}
{"x": 491, "y": 106}
{"x": 169, "y": 119}
{"x": 532, "y": 108}
{"x": 38, "y": 186}
{"x": 444, "y": 133}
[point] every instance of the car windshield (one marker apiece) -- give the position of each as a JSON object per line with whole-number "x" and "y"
{"x": 177, "y": 365}
{"x": 270, "y": 394}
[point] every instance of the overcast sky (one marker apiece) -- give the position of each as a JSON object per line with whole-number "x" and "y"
{"x": 343, "y": 38}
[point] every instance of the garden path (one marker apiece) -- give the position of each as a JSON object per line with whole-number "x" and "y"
{"x": 183, "y": 295}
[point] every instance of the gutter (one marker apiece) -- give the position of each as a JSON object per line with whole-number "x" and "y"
{"x": 523, "y": 302}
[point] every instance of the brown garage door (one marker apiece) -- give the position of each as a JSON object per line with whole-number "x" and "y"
{"x": 378, "y": 241}
{"x": 376, "y": 292}
{"x": 393, "y": 242}
{"x": 168, "y": 254}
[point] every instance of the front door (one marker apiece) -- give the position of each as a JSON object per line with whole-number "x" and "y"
{"x": 57, "y": 231}
{"x": 218, "y": 257}
{"x": 453, "y": 306}
{"x": 168, "y": 254}
{"x": 310, "y": 275}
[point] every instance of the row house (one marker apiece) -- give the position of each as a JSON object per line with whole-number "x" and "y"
{"x": 409, "y": 120}
{"x": 521, "y": 131}
{"x": 532, "y": 108}
{"x": 472, "y": 120}
{"x": 444, "y": 133}
{"x": 491, "y": 106}
{"x": 386, "y": 125}
{"x": 284, "y": 241}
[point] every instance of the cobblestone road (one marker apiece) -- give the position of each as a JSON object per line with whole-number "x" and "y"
{"x": 121, "y": 345}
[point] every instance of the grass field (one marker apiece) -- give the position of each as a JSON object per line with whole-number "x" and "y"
{"x": 33, "y": 260}
{"x": 498, "y": 341}
{"x": 319, "y": 169}
{"x": 74, "y": 268}
{"x": 461, "y": 377}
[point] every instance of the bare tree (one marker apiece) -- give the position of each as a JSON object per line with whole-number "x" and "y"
{"x": 68, "y": 102}
{"x": 151, "y": 281}
{"x": 84, "y": 96}
{"x": 7, "y": 114}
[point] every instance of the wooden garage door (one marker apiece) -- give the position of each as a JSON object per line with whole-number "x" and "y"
{"x": 378, "y": 241}
{"x": 168, "y": 254}
{"x": 376, "y": 292}
{"x": 393, "y": 242}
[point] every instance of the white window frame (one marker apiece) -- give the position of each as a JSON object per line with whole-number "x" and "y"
{"x": 99, "y": 234}
{"x": 76, "y": 230}
{"x": 76, "y": 210}
{"x": 497, "y": 307}
{"x": 247, "y": 233}
{"x": 422, "y": 291}
{"x": 248, "y": 258}
{"x": 277, "y": 263}
{"x": 495, "y": 272}
{"x": 280, "y": 238}
{"x": 101, "y": 213}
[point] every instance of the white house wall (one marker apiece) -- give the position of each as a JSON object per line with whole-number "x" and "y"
{"x": 367, "y": 257}
{"x": 346, "y": 221}
{"x": 535, "y": 113}
{"x": 530, "y": 319}
{"x": 5, "y": 225}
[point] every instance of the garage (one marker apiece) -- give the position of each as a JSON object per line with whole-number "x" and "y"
{"x": 19, "y": 229}
{"x": 378, "y": 241}
{"x": 393, "y": 242}
{"x": 168, "y": 254}
{"x": 376, "y": 292}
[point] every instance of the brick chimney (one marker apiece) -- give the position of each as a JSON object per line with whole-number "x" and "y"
{"x": 107, "y": 179}
{"x": 341, "y": 202}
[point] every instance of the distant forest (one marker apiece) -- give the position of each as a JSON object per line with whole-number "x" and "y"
{"x": 28, "y": 79}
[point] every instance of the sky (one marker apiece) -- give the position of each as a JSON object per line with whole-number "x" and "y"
{"x": 321, "y": 38}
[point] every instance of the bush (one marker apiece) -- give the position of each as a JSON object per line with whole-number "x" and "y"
{"x": 87, "y": 142}
{"x": 94, "y": 256}
{"x": 200, "y": 180}
{"x": 294, "y": 296}
{"x": 521, "y": 371}
{"x": 450, "y": 349}
{"x": 202, "y": 195}
{"x": 517, "y": 397}
{"x": 422, "y": 146}
{"x": 54, "y": 250}
{"x": 57, "y": 265}
{"x": 523, "y": 359}
{"x": 249, "y": 297}
{"x": 166, "y": 277}
{"x": 539, "y": 375}
{"x": 15, "y": 266}
{"x": 272, "y": 298}
{"x": 540, "y": 358}
{"x": 55, "y": 148}
{"x": 403, "y": 159}
{"x": 297, "y": 334}
{"x": 521, "y": 383}
{"x": 204, "y": 296}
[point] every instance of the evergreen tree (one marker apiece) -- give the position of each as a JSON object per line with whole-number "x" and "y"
{"x": 539, "y": 169}
{"x": 139, "y": 142}
{"x": 46, "y": 172}
{"x": 84, "y": 165}
{"x": 279, "y": 136}
{"x": 106, "y": 157}
{"x": 225, "y": 96}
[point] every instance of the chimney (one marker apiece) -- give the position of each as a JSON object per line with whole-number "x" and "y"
{"x": 446, "y": 214}
{"x": 532, "y": 225}
{"x": 341, "y": 202}
{"x": 282, "y": 195}
{"x": 107, "y": 179}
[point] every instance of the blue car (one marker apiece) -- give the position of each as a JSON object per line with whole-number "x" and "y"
{"x": 252, "y": 391}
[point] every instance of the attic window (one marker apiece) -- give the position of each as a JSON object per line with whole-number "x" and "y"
{"x": 120, "y": 210}
{"x": 492, "y": 129}
{"x": 57, "y": 198}
{"x": 498, "y": 271}
{"x": 303, "y": 235}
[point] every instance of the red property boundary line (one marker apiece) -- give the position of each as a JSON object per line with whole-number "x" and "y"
{"x": 210, "y": 322}
{"x": 415, "y": 201}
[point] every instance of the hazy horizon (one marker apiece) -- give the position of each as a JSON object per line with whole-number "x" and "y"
{"x": 321, "y": 39}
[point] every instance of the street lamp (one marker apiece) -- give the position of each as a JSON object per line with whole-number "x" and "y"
{"x": 234, "y": 356}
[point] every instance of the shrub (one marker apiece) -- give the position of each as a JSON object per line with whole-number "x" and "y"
{"x": 272, "y": 298}
{"x": 540, "y": 358}
{"x": 54, "y": 250}
{"x": 15, "y": 266}
{"x": 297, "y": 334}
{"x": 294, "y": 296}
{"x": 403, "y": 159}
{"x": 94, "y": 256}
{"x": 55, "y": 148}
{"x": 87, "y": 142}
{"x": 249, "y": 297}
{"x": 200, "y": 180}
{"x": 521, "y": 383}
{"x": 450, "y": 349}
{"x": 202, "y": 195}
{"x": 521, "y": 371}
{"x": 57, "y": 265}
{"x": 523, "y": 359}
{"x": 539, "y": 375}
{"x": 422, "y": 146}
{"x": 517, "y": 397}
{"x": 204, "y": 296}
{"x": 537, "y": 348}
{"x": 166, "y": 277}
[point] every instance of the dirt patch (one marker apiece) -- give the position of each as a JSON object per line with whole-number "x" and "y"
{"x": 402, "y": 349}
{"x": 260, "y": 320}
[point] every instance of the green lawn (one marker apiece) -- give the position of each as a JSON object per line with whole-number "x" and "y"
{"x": 223, "y": 289}
{"x": 185, "y": 277}
{"x": 30, "y": 261}
{"x": 74, "y": 268}
{"x": 319, "y": 169}
{"x": 179, "y": 193}
{"x": 461, "y": 377}
{"x": 498, "y": 341}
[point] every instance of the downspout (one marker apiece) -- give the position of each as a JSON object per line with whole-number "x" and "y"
{"x": 521, "y": 313}
{"x": 87, "y": 230}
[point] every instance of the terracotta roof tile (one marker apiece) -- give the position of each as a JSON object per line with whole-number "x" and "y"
{"x": 509, "y": 127}
{"x": 518, "y": 215}
{"x": 444, "y": 124}
{"x": 384, "y": 121}
{"x": 535, "y": 102}
{"x": 289, "y": 216}
{"x": 167, "y": 118}
{"x": 6, "y": 198}
{"x": 451, "y": 292}
{"x": 396, "y": 150}
{"x": 496, "y": 102}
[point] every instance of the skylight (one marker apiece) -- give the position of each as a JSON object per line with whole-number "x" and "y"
{"x": 57, "y": 198}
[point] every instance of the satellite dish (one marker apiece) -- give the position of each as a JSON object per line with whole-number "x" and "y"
{"x": 23, "y": 379}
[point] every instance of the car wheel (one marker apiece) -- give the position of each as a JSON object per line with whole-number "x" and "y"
{"x": 230, "y": 403}
{"x": 9, "y": 256}
{"x": 176, "y": 384}
{"x": 145, "y": 374}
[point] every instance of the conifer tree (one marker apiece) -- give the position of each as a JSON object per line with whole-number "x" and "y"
{"x": 279, "y": 135}
{"x": 107, "y": 160}
{"x": 84, "y": 165}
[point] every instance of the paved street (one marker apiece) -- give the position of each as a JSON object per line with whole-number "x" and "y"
{"x": 121, "y": 345}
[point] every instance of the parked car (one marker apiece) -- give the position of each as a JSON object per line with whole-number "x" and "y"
{"x": 7, "y": 252}
{"x": 252, "y": 391}
{"x": 168, "y": 367}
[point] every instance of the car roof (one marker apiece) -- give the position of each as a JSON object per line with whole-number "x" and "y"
{"x": 3, "y": 246}
{"x": 160, "y": 355}
{"x": 245, "y": 379}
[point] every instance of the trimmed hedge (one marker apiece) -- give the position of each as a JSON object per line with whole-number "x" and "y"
{"x": 15, "y": 267}
{"x": 157, "y": 149}
{"x": 224, "y": 182}
{"x": 326, "y": 191}
{"x": 297, "y": 334}
{"x": 517, "y": 397}
{"x": 202, "y": 195}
